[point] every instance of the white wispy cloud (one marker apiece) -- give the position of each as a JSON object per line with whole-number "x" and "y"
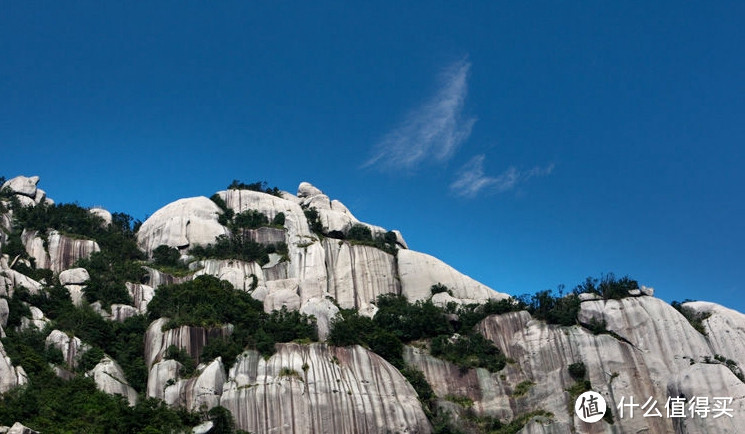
{"x": 432, "y": 131}
{"x": 471, "y": 179}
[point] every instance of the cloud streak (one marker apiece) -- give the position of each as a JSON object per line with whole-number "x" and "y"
{"x": 471, "y": 179}
{"x": 432, "y": 131}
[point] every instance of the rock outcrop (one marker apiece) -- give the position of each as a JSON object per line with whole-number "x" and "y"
{"x": 74, "y": 276}
{"x": 419, "y": 271}
{"x": 37, "y": 320}
{"x": 725, "y": 330}
{"x": 109, "y": 378}
{"x": 141, "y": 295}
{"x": 191, "y": 339}
{"x": 245, "y": 276}
{"x": 72, "y": 348}
{"x": 18, "y": 428}
{"x": 652, "y": 352}
{"x": 182, "y": 224}
{"x": 316, "y": 388}
{"x": 202, "y": 391}
{"x": 61, "y": 251}
{"x": 25, "y": 190}
{"x": 105, "y": 215}
{"x": 10, "y": 376}
{"x": 358, "y": 274}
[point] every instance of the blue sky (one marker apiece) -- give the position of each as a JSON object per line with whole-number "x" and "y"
{"x": 527, "y": 144}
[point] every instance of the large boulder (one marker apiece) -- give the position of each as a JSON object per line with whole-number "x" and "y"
{"x": 12, "y": 279}
{"x": 192, "y": 339}
{"x": 162, "y": 375}
{"x": 198, "y": 392}
{"x": 4, "y": 312}
{"x": 19, "y": 428}
{"x": 141, "y": 295}
{"x": 324, "y": 310}
{"x": 10, "y": 376}
{"x": 245, "y": 276}
{"x": 72, "y": 348}
{"x": 182, "y": 224}
{"x": 22, "y": 185}
{"x": 37, "y": 320}
{"x": 61, "y": 251}
{"x": 74, "y": 276}
{"x": 317, "y": 388}
{"x": 110, "y": 378}
{"x": 104, "y": 214}
{"x": 419, "y": 271}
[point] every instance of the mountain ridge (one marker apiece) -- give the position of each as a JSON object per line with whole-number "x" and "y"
{"x": 318, "y": 265}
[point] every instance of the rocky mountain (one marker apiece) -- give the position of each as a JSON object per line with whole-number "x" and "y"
{"x": 265, "y": 311}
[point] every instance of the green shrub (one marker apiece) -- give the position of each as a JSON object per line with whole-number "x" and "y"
{"x": 188, "y": 364}
{"x": 409, "y": 321}
{"x": 359, "y": 232}
{"x": 279, "y": 219}
{"x": 166, "y": 256}
{"x": 522, "y": 388}
{"x": 472, "y": 314}
{"x": 577, "y": 370}
{"x": 314, "y": 220}
{"x": 469, "y": 351}
{"x": 250, "y": 219}
{"x": 438, "y": 288}
{"x": 608, "y": 286}
{"x": 90, "y": 359}
{"x": 561, "y": 310}
{"x": 696, "y": 319}
{"x": 260, "y": 186}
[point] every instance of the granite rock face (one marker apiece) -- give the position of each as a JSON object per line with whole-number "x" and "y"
{"x": 201, "y": 391}
{"x": 61, "y": 251}
{"x": 191, "y": 339}
{"x": 72, "y": 348}
{"x": 358, "y": 274}
{"x": 419, "y": 271}
{"x": 74, "y": 276}
{"x": 10, "y": 376}
{"x": 103, "y": 214}
{"x": 22, "y": 185}
{"x": 181, "y": 224}
{"x": 109, "y": 378}
{"x": 725, "y": 330}
{"x": 653, "y": 353}
{"x": 316, "y": 388}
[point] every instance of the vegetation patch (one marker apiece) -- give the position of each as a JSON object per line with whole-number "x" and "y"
{"x": 522, "y": 388}
{"x": 463, "y": 401}
{"x": 469, "y": 351}
{"x": 209, "y": 302}
{"x": 260, "y": 186}
{"x": 608, "y": 286}
{"x": 696, "y": 319}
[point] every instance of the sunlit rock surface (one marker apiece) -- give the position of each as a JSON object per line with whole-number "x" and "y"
{"x": 10, "y": 376}
{"x": 110, "y": 378}
{"x": 191, "y": 339}
{"x": 315, "y": 388}
{"x": 181, "y": 224}
{"x": 59, "y": 252}
{"x": 419, "y": 271}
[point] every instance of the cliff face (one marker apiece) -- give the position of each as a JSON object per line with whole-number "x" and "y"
{"x": 354, "y": 275}
{"x": 645, "y": 348}
{"x": 316, "y": 388}
{"x": 655, "y": 353}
